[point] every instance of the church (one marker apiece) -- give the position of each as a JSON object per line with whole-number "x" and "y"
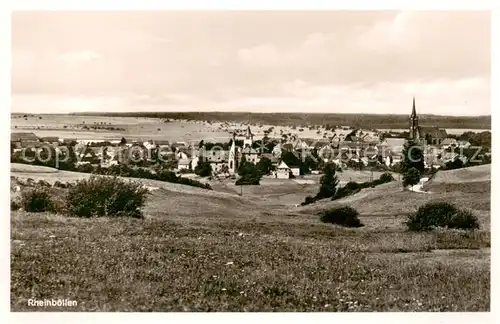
{"x": 228, "y": 161}
{"x": 432, "y": 135}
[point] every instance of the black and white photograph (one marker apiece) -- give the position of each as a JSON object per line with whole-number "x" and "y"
{"x": 250, "y": 161}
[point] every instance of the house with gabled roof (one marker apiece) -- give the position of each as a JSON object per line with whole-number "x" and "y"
{"x": 449, "y": 143}
{"x": 184, "y": 164}
{"x": 274, "y": 159}
{"x": 20, "y": 139}
{"x": 251, "y": 154}
{"x": 283, "y": 171}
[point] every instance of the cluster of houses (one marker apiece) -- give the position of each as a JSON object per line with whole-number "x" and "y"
{"x": 360, "y": 146}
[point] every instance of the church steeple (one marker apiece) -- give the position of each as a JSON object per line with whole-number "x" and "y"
{"x": 248, "y": 141}
{"x": 414, "y": 111}
{"x": 414, "y": 133}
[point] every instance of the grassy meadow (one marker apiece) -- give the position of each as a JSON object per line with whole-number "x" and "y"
{"x": 216, "y": 251}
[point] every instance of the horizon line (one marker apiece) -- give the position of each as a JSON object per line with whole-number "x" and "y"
{"x": 237, "y": 112}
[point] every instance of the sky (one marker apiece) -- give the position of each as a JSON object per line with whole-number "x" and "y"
{"x": 323, "y": 61}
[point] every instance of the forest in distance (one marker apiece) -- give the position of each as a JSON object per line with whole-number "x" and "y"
{"x": 366, "y": 121}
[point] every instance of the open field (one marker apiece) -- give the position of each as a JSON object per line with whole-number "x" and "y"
{"x": 27, "y": 168}
{"x": 143, "y": 128}
{"x": 471, "y": 174}
{"x": 367, "y": 121}
{"x": 133, "y": 128}
{"x": 199, "y": 250}
{"x": 277, "y": 192}
{"x": 450, "y": 131}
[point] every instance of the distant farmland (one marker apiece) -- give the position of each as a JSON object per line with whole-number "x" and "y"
{"x": 368, "y": 121}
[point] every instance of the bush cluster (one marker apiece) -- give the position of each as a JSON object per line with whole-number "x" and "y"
{"x": 37, "y": 199}
{"x": 309, "y": 200}
{"x": 105, "y": 196}
{"x": 119, "y": 170}
{"x": 59, "y": 184}
{"x": 344, "y": 216}
{"x": 93, "y": 197}
{"x": 441, "y": 214}
{"x": 163, "y": 175}
{"x": 14, "y": 205}
{"x": 352, "y": 187}
{"x": 247, "y": 180}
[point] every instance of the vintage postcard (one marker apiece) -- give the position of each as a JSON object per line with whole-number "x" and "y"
{"x": 250, "y": 161}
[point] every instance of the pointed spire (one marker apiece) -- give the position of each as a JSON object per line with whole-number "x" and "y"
{"x": 413, "y": 111}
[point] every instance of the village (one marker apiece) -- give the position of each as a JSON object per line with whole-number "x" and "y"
{"x": 348, "y": 148}
{"x": 250, "y": 161}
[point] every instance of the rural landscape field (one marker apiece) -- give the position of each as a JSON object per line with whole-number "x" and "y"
{"x": 251, "y": 161}
{"x": 199, "y": 250}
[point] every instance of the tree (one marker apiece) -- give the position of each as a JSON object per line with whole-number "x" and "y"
{"x": 328, "y": 181}
{"x": 265, "y": 139}
{"x": 243, "y": 165}
{"x": 249, "y": 173}
{"x": 411, "y": 177}
{"x": 265, "y": 166}
{"x": 355, "y": 165}
{"x": 428, "y": 138}
{"x": 123, "y": 141}
{"x": 413, "y": 157}
{"x": 203, "y": 168}
{"x": 457, "y": 163}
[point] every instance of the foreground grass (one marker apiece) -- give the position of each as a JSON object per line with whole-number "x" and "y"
{"x": 275, "y": 264}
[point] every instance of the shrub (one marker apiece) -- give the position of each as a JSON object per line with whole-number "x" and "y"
{"x": 36, "y": 200}
{"x": 59, "y": 184}
{"x": 366, "y": 184}
{"x": 309, "y": 200}
{"x": 193, "y": 183}
{"x": 203, "y": 168}
{"x": 345, "y": 216}
{"x": 14, "y": 205}
{"x": 30, "y": 182}
{"x": 464, "y": 219}
{"x": 43, "y": 183}
{"x": 352, "y": 185}
{"x": 386, "y": 177}
{"x": 344, "y": 192}
{"x": 247, "y": 180}
{"x": 105, "y": 196}
{"x": 85, "y": 168}
{"x": 328, "y": 181}
{"x": 441, "y": 214}
{"x": 411, "y": 177}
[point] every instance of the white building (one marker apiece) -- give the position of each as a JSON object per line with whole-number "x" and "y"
{"x": 283, "y": 171}
{"x": 295, "y": 171}
{"x": 184, "y": 164}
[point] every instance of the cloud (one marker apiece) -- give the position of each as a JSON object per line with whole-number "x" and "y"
{"x": 320, "y": 61}
{"x": 404, "y": 47}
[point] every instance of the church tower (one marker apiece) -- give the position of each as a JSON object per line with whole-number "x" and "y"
{"x": 248, "y": 141}
{"x": 414, "y": 133}
{"x": 232, "y": 156}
